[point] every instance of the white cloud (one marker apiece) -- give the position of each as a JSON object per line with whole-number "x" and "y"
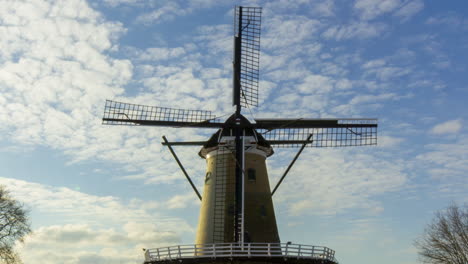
{"x": 74, "y": 206}
{"x": 365, "y": 101}
{"x": 374, "y": 63}
{"x": 90, "y": 225}
{"x": 333, "y": 181}
{"x": 217, "y": 39}
{"x": 389, "y": 141}
{"x": 370, "y": 9}
{"x": 447, "y": 163}
{"x": 286, "y": 4}
{"x": 292, "y": 71}
{"x": 316, "y": 84}
{"x": 409, "y": 9}
{"x": 61, "y": 45}
{"x": 315, "y": 93}
{"x": 282, "y": 32}
{"x": 79, "y": 235}
{"x": 318, "y": 8}
{"x": 80, "y": 243}
{"x": 387, "y": 73}
{"x": 451, "y": 20}
{"x": 324, "y": 8}
{"x": 58, "y": 101}
{"x": 360, "y": 30}
{"x": 152, "y": 234}
{"x": 156, "y": 54}
{"x": 449, "y": 127}
{"x": 320, "y": 84}
{"x": 182, "y": 201}
{"x": 122, "y": 2}
{"x": 359, "y": 99}
{"x": 344, "y": 84}
{"x": 168, "y": 11}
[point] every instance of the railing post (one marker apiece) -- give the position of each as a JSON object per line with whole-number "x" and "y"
{"x": 286, "y": 251}
{"x": 231, "y": 249}
{"x": 313, "y": 251}
{"x": 269, "y": 249}
{"x": 180, "y": 255}
{"x": 214, "y": 250}
{"x": 299, "y": 253}
{"x": 248, "y": 249}
{"x": 157, "y": 252}
{"x": 169, "y": 252}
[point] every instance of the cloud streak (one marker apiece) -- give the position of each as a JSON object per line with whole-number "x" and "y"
{"x": 448, "y": 127}
{"x": 92, "y": 225}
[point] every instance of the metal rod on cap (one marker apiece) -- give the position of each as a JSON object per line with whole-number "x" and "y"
{"x": 181, "y": 167}
{"x": 292, "y": 163}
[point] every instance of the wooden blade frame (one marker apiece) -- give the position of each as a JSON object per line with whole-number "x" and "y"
{"x": 289, "y": 133}
{"x": 247, "y": 24}
{"x": 118, "y": 113}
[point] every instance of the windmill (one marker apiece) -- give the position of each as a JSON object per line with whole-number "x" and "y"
{"x": 237, "y": 219}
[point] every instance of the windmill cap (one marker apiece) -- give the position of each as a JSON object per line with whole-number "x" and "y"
{"x": 236, "y": 121}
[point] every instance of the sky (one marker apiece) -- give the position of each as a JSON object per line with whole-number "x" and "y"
{"x": 99, "y": 194}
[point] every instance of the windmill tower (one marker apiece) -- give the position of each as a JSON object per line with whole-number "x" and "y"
{"x": 237, "y": 219}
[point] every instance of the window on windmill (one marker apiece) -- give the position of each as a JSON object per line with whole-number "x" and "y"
{"x": 207, "y": 177}
{"x": 263, "y": 211}
{"x": 251, "y": 175}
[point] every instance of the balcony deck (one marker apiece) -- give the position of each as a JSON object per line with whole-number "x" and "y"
{"x": 236, "y": 253}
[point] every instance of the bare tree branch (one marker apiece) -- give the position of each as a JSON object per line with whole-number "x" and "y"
{"x": 14, "y": 226}
{"x": 445, "y": 240}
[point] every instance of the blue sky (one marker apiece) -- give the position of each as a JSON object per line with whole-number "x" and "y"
{"x": 99, "y": 194}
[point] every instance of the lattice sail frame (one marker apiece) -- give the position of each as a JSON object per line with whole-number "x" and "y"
{"x": 250, "y": 52}
{"x": 118, "y": 113}
{"x": 347, "y": 133}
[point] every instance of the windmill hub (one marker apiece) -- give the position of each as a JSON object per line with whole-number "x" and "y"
{"x": 228, "y": 143}
{"x": 225, "y": 138}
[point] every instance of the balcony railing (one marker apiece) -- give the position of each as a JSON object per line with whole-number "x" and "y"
{"x": 246, "y": 250}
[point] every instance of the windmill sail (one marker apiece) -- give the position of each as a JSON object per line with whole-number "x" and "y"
{"x": 118, "y": 113}
{"x": 325, "y": 132}
{"x": 246, "y": 55}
